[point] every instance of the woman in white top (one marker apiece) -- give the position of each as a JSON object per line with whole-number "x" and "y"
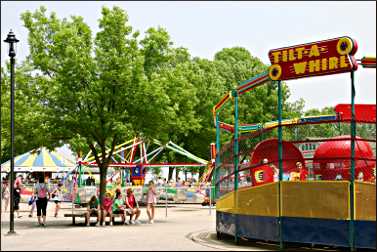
{"x": 57, "y": 198}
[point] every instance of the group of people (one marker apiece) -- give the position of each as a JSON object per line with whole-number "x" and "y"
{"x": 268, "y": 172}
{"x": 177, "y": 183}
{"x": 5, "y": 194}
{"x": 42, "y": 193}
{"x": 122, "y": 206}
{"x": 39, "y": 198}
{"x": 90, "y": 181}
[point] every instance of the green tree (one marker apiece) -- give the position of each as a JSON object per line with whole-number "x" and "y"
{"x": 29, "y": 127}
{"x": 109, "y": 88}
{"x": 98, "y": 92}
{"x": 171, "y": 68}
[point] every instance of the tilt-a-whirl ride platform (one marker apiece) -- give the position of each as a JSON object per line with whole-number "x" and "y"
{"x": 309, "y": 180}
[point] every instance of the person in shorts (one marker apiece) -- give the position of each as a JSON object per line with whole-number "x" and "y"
{"x": 17, "y": 195}
{"x": 132, "y": 207}
{"x": 57, "y": 198}
{"x": 32, "y": 203}
{"x": 93, "y": 209}
{"x": 118, "y": 206}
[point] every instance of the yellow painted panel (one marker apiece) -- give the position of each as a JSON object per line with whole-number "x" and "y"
{"x": 259, "y": 200}
{"x": 316, "y": 199}
{"x": 306, "y": 199}
{"x": 226, "y": 203}
{"x": 365, "y": 201}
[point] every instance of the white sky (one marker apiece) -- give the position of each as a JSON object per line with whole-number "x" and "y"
{"x": 207, "y": 27}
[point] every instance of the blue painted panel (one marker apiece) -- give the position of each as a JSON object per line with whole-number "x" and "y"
{"x": 365, "y": 232}
{"x": 248, "y": 226}
{"x": 318, "y": 119}
{"x": 38, "y": 161}
{"x": 317, "y": 231}
{"x": 21, "y": 159}
{"x": 301, "y": 230}
{"x": 225, "y": 223}
{"x": 259, "y": 227}
{"x": 56, "y": 160}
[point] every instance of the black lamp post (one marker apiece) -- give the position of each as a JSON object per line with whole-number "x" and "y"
{"x": 11, "y": 39}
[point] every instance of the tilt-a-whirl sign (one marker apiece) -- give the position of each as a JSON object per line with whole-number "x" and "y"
{"x": 318, "y": 58}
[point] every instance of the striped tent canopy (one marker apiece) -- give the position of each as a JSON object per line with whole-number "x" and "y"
{"x": 39, "y": 160}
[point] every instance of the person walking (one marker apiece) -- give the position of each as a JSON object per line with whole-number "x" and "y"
{"x": 32, "y": 204}
{"x": 5, "y": 194}
{"x": 57, "y": 197}
{"x": 17, "y": 196}
{"x": 42, "y": 193}
{"x": 151, "y": 201}
{"x": 32, "y": 199}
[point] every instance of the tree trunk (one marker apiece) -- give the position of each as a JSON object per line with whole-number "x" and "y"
{"x": 176, "y": 173}
{"x": 102, "y": 188}
{"x": 171, "y": 169}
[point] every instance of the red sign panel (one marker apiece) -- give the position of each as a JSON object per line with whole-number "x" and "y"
{"x": 318, "y": 58}
{"x": 363, "y": 112}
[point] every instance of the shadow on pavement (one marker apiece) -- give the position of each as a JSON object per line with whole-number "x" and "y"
{"x": 227, "y": 242}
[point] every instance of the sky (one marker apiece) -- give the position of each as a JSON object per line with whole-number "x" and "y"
{"x": 207, "y": 27}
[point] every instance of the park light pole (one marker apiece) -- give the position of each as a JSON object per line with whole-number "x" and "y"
{"x": 11, "y": 40}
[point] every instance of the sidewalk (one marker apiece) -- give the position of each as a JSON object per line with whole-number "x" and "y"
{"x": 187, "y": 227}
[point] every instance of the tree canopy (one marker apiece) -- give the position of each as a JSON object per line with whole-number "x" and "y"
{"x": 98, "y": 90}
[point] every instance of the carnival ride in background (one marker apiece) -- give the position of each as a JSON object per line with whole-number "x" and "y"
{"x": 329, "y": 207}
{"x": 130, "y": 161}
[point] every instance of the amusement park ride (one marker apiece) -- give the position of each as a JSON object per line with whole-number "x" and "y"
{"x": 335, "y": 204}
{"x": 134, "y": 158}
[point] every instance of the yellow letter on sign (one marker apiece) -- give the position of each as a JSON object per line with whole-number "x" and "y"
{"x": 314, "y": 51}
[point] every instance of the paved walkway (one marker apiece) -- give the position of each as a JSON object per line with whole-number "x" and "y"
{"x": 183, "y": 229}
{"x": 187, "y": 227}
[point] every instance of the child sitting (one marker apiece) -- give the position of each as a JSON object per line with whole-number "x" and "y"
{"x": 107, "y": 207}
{"x": 132, "y": 207}
{"x": 118, "y": 206}
{"x": 93, "y": 209}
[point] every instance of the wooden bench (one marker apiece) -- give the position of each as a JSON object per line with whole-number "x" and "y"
{"x": 74, "y": 215}
{"x": 83, "y": 215}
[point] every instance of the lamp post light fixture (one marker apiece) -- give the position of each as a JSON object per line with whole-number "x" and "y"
{"x": 11, "y": 40}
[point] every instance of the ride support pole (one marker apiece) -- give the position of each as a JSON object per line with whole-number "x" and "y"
{"x": 280, "y": 157}
{"x": 210, "y": 198}
{"x": 216, "y": 172}
{"x": 166, "y": 201}
{"x": 236, "y": 150}
{"x": 352, "y": 180}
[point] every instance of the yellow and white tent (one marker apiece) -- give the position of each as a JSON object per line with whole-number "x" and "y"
{"x": 39, "y": 160}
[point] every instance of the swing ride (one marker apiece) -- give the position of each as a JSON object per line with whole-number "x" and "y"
{"x": 130, "y": 161}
